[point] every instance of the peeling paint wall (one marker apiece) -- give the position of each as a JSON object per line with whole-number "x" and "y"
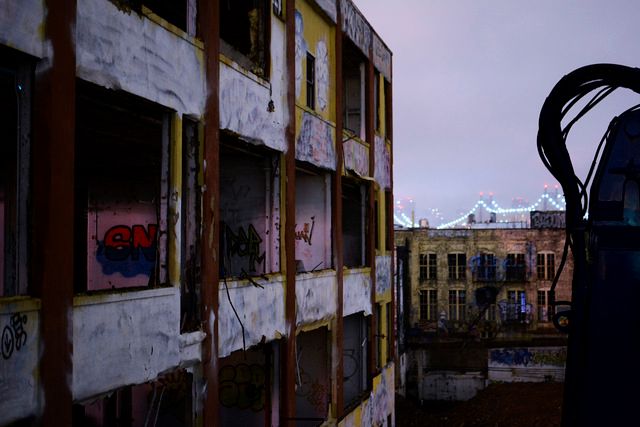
{"x": 328, "y": 7}
{"x": 383, "y": 163}
{"x": 243, "y": 109}
{"x": 381, "y": 57}
{"x": 379, "y": 408}
{"x": 355, "y": 26}
{"x": 131, "y": 336}
{"x": 356, "y": 292}
{"x": 315, "y": 297}
{"x": 20, "y": 350}
{"x": 314, "y": 143}
{"x": 313, "y": 222}
{"x": 356, "y": 157}
{"x": 125, "y": 51}
{"x": 22, "y": 26}
{"x": 383, "y": 274}
{"x": 260, "y": 309}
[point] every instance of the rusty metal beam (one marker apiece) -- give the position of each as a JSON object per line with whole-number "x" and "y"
{"x": 209, "y": 27}
{"x": 288, "y": 400}
{"x": 338, "y": 251}
{"x": 52, "y": 265}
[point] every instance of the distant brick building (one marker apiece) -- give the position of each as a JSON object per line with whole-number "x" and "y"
{"x": 484, "y": 280}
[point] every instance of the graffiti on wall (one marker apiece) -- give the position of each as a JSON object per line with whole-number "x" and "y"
{"x": 544, "y": 356}
{"x": 14, "y": 337}
{"x": 383, "y": 274}
{"x": 382, "y": 163}
{"x": 245, "y": 244}
{"x": 548, "y": 219}
{"x": 315, "y": 142}
{"x": 381, "y": 57}
{"x": 355, "y": 26}
{"x": 123, "y": 244}
{"x": 306, "y": 233}
{"x": 301, "y": 50}
{"x": 322, "y": 74}
{"x": 356, "y": 157}
{"x": 242, "y": 386}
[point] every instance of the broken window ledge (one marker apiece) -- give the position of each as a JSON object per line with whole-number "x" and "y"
{"x": 151, "y": 16}
{"x": 347, "y": 135}
{"x": 124, "y": 295}
{"x": 15, "y": 304}
{"x": 329, "y": 272}
{"x": 231, "y": 63}
{"x": 316, "y": 114}
{"x": 268, "y": 279}
{"x": 356, "y": 270}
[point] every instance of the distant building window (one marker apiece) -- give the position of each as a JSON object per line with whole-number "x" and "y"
{"x": 429, "y": 305}
{"x": 311, "y": 81}
{"x": 457, "y": 266}
{"x": 376, "y": 98}
{"x": 457, "y": 305}
{"x": 546, "y": 266}
{"x": 490, "y": 313}
{"x": 428, "y": 267}
{"x": 544, "y": 314}
{"x": 516, "y": 305}
{"x": 486, "y": 267}
{"x": 515, "y": 268}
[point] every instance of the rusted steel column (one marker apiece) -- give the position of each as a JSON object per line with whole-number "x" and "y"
{"x": 338, "y": 248}
{"x": 52, "y": 264}
{"x": 209, "y": 19}
{"x": 373, "y": 220}
{"x": 388, "y": 110}
{"x": 288, "y": 401}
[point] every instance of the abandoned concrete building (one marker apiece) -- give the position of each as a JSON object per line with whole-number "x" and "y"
{"x": 195, "y": 204}
{"x": 474, "y": 305}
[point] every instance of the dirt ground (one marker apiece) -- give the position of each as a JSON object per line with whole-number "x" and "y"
{"x": 499, "y": 405}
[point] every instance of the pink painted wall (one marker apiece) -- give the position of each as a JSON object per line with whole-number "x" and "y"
{"x": 313, "y": 221}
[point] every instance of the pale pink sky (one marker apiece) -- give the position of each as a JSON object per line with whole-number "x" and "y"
{"x": 470, "y": 78}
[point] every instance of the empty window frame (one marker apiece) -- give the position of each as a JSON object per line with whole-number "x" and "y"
{"x": 353, "y": 75}
{"x": 376, "y": 99}
{"x": 354, "y": 197}
{"x": 175, "y": 12}
{"x": 485, "y": 267}
{"x": 313, "y": 220}
{"x": 428, "y": 267}
{"x": 244, "y": 33}
{"x": 515, "y": 268}
{"x": 457, "y": 263}
{"x": 544, "y": 313}
{"x": 15, "y": 98}
{"x": 516, "y": 305}
{"x": 457, "y": 305}
{"x": 249, "y": 196}
{"x": 121, "y": 190}
{"x": 429, "y": 305}
{"x": 311, "y": 81}
{"x": 191, "y": 227}
{"x": 313, "y": 386}
{"x": 546, "y": 267}
{"x": 356, "y": 371}
{"x": 388, "y": 120}
{"x": 490, "y": 313}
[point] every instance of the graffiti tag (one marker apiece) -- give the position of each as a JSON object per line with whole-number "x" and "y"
{"x": 243, "y": 386}
{"x": 245, "y": 243}
{"x": 14, "y": 335}
{"x": 121, "y": 247}
{"x": 306, "y": 234}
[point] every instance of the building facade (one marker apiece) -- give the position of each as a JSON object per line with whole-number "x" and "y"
{"x": 484, "y": 281}
{"x": 195, "y": 203}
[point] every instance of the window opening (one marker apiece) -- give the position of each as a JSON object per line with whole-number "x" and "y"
{"x": 353, "y": 223}
{"x": 121, "y": 183}
{"x": 244, "y": 33}
{"x": 544, "y": 314}
{"x": 486, "y": 267}
{"x": 457, "y": 304}
{"x": 517, "y": 306}
{"x": 457, "y": 266}
{"x": 313, "y": 387}
{"x": 311, "y": 81}
{"x": 546, "y": 266}
{"x": 355, "y": 362}
{"x": 515, "y": 268}
{"x": 353, "y": 72}
{"x": 429, "y": 305}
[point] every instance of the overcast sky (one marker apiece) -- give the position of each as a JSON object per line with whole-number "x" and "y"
{"x": 469, "y": 79}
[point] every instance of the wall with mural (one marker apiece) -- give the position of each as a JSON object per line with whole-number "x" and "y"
{"x": 313, "y": 222}
{"x": 527, "y": 364}
{"x": 260, "y": 308}
{"x": 383, "y": 163}
{"x": 20, "y": 352}
{"x": 381, "y": 57}
{"x": 379, "y": 407}
{"x": 383, "y": 274}
{"x": 356, "y": 157}
{"x": 113, "y": 50}
{"x": 122, "y": 244}
{"x": 133, "y": 335}
{"x": 355, "y": 26}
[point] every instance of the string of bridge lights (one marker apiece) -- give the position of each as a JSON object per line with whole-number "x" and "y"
{"x": 558, "y": 202}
